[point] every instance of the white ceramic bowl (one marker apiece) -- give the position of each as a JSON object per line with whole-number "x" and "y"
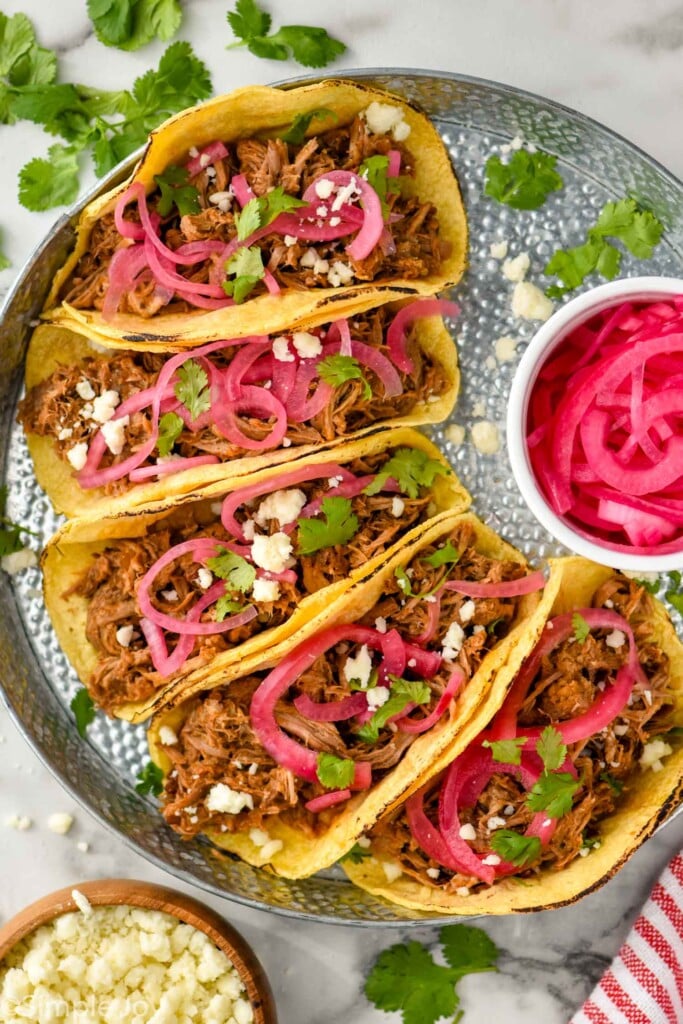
{"x": 544, "y": 342}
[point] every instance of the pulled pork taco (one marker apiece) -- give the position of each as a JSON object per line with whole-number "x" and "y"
{"x": 576, "y": 769}
{"x": 288, "y": 767}
{"x": 143, "y": 600}
{"x": 267, "y": 207}
{"x": 112, "y": 429}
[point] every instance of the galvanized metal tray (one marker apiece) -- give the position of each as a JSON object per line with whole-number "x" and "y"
{"x": 474, "y": 117}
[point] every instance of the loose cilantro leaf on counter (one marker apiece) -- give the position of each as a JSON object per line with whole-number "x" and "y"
{"x": 337, "y": 369}
{"x": 553, "y": 793}
{"x": 225, "y": 606}
{"x": 312, "y": 47}
{"x": 150, "y": 780}
{"x": 519, "y": 850}
{"x": 506, "y": 751}
{"x": 296, "y": 133}
{"x": 525, "y": 181}
{"x": 402, "y": 692}
{"x": 445, "y": 555}
{"x": 674, "y": 595}
{"x": 411, "y": 468}
{"x": 246, "y": 267}
{"x": 405, "y": 977}
{"x": 170, "y": 428}
{"x": 262, "y": 210}
{"x": 175, "y": 191}
{"x": 335, "y": 772}
{"x": 551, "y": 749}
{"x": 337, "y": 525}
{"x": 235, "y": 570}
{"x": 638, "y": 229}
{"x": 83, "y": 708}
{"x": 192, "y": 388}
{"x": 22, "y": 62}
{"x": 356, "y": 855}
{"x": 580, "y": 627}
{"x": 53, "y": 181}
{"x": 5, "y": 262}
{"x": 130, "y": 24}
{"x": 10, "y": 532}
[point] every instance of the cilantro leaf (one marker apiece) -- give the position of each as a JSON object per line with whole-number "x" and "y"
{"x": 445, "y": 555}
{"x": 411, "y": 468}
{"x": 249, "y": 220}
{"x": 175, "y": 191}
{"x": 246, "y": 266}
{"x": 468, "y": 950}
{"x": 10, "y": 532}
{"x": 130, "y": 24}
{"x": 614, "y": 784}
{"x": 403, "y": 691}
{"x": 590, "y": 842}
{"x": 248, "y": 20}
{"x": 337, "y": 369}
{"x": 673, "y": 595}
{"x": 22, "y": 63}
{"x": 192, "y": 388}
{"x": 551, "y": 749}
{"x": 405, "y": 978}
{"x": 170, "y": 428}
{"x": 506, "y": 751}
{"x": 337, "y": 525}
{"x": 375, "y": 170}
{"x": 638, "y": 229}
{"x": 356, "y": 855}
{"x": 5, "y": 262}
{"x": 335, "y": 772}
{"x": 224, "y": 606}
{"x": 312, "y": 47}
{"x": 519, "y": 850}
{"x": 525, "y": 182}
{"x": 262, "y": 210}
{"x": 553, "y": 793}
{"x": 150, "y": 780}
{"x": 403, "y": 580}
{"x": 235, "y": 570}
{"x": 83, "y": 708}
{"x": 44, "y": 183}
{"x": 580, "y": 627}
{"x": 296, "y": 133}
{"x": 652, "y": 586}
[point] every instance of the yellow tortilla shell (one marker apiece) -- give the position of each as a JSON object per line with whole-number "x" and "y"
{"x": 301, "y": 855}
{"x": 70, "y": 552}
{"x": 258, "y": 110}
{"x": 649, "y": 799}
{"x": 51, "y": 347}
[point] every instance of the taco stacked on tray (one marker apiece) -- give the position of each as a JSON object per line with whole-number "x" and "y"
{"x": 578, "y": 766}
{"x": 111, "y": 428}
{"x": 268, "y": 207}
{"x": 145, "y": 599}
{"x": 291, "y": 759}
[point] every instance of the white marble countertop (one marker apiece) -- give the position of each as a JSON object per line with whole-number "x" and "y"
{"x": 622, "y": 67}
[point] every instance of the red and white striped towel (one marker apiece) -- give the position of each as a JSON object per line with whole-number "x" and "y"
{"x": 644, "y": 984}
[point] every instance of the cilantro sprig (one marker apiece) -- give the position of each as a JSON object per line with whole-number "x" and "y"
{"x": 192, "y": 388}
{"x": 150, "y": 780}
{"x": 637, "y": 228}
{"x": 506, "y": 751}
{"x": 246, "y": 269}
{"x": 296, "y": 133}
{"x": 335, "y": 772}
{"x": 517, "y": 849}
{"x": 375, "y": 170}
{"x": 405, "y": 977}
{"x": 337, "y": 524}
{"x": 83, "y": 708}
{"x": 674, "y": 595}
{"x": 10, "y": 532}
{"x": 447, "y": 554}
{"x": 403, "y": 691}
{"x": 580, "y": 627}
{"x": 309, "y": 46}
{"x": 553, "y": 793}
{"x": 525, "y": 181}
{"x": 238, "y": 574}
{"x": 262, "y": 210}
{"x": 356, "y": 855}
{"x": 335, "y": 370}
{"x": 411, "y": 468}
{"x": 170, "y": 428}
{"x": 130, "y": 24}
{"x": 175, "y": 191}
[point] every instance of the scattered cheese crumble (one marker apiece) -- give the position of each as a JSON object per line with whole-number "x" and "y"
{"x": 455, "y": 433}
{"x": 285, "y": 506}
{"x": 272, "y": 553}
{"x": 530, "y": 303}
{"x": 265, "y": 590}
{"x": 113, "y": 432}
{"x": 515, "y": 269}
{"x": 653, "y": 752}
{"x": 168, "y": 736}
{"x": 467, "y": 833}
{"x": 499, "y": 250}
{"x": 391, "y": 870}
{"x": 224, "y": 800}
{"x": 60, "y": 822}
{"x": 16, "y": 561}
{"x": 78, "y": 455}
{"x": 307, "y": 345}
{"x": 486, "y": 437}
{"x": 505, "y": 348}
{"x": 359, "y": 667}
{"x": 18, "y": 821}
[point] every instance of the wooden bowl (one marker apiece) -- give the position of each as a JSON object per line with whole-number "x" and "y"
{"x": 121, "y": 891}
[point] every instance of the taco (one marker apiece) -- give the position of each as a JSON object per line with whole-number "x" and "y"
{"x": 143, "y": 600}
{"x": 268, "y": 207}
{"x": 289, "y": 767}
{"x": 112, "y": 429}
{"x": 577, "y": 768}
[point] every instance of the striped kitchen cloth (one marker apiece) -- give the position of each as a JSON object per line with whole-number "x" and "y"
{"x": 644, "y": 984}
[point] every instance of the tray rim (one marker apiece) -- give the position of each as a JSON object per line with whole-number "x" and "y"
{"x": 64, "y": 223}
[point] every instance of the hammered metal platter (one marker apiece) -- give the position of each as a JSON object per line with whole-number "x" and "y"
{"x": 475, "y": 118}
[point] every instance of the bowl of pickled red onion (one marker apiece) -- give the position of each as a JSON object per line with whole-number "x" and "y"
{"x": 595, "y": 424}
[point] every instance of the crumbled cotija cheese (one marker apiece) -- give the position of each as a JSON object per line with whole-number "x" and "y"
{"x": 285, "y": 506}
{"x": 530, "y": 303}
{"x": 455, "y": 433}
{"x": 120, "y": 965}
{"x": 486, "y": 437}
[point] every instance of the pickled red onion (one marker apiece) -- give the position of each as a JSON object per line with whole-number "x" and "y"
{"x": 210, "y": 154}
{"x": 331, "y": 711}
{"x": 509, "y": 588}
{"x": 396, "y": 335}
{"x": 420, "y": 725}
{"x": 321, "y": 803}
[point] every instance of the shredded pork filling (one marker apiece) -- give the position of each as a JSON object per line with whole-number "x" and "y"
{"x": 568, "y": 682}
{"x": 216, "y": 743}
{"x": 55, "y": 409}
{"x": 267, "y": 164}
{"x": 126, "y": 673}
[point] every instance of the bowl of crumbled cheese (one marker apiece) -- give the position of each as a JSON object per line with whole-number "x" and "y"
{"x": 124, "y": 952}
